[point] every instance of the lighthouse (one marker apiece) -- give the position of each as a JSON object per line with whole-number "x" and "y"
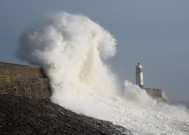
{"x": 139, "y": 75}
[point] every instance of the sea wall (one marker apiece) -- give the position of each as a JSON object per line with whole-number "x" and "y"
{"x": 26, "y": 81}
{"x": 30, "y": 81}
{"x": 20, "y": 71}
{"x": 157, "y": 94}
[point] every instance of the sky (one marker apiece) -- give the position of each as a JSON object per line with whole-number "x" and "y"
{"x": 152, "y": 32}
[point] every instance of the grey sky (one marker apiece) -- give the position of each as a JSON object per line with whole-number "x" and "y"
{"x": 153, "y": 32}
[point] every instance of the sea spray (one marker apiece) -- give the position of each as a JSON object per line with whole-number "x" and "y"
{"x": 72, "y": 49}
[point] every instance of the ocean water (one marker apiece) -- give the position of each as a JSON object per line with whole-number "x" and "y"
{"x": 180, "y": 103}
{"x": 73, "y": 51}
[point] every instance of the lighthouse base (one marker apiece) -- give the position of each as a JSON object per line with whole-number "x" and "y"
{"x": 157, "y": 94}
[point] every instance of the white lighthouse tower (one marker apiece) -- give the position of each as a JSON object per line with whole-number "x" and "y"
{"x": 139, "y": 75}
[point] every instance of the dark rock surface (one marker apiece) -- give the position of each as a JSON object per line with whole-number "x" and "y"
{"x": 25, "y": 116}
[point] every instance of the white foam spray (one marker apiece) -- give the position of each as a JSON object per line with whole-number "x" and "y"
{"x": 71, "y": 49}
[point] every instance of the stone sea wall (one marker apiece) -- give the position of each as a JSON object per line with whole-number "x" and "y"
{"x": 24, "y": 81}
{"x": 30, "y": 81}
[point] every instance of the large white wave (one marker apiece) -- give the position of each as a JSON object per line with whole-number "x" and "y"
{"x": 72, "y": 49}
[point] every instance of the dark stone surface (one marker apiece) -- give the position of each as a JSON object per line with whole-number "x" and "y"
{"x": 25, "y": 116}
